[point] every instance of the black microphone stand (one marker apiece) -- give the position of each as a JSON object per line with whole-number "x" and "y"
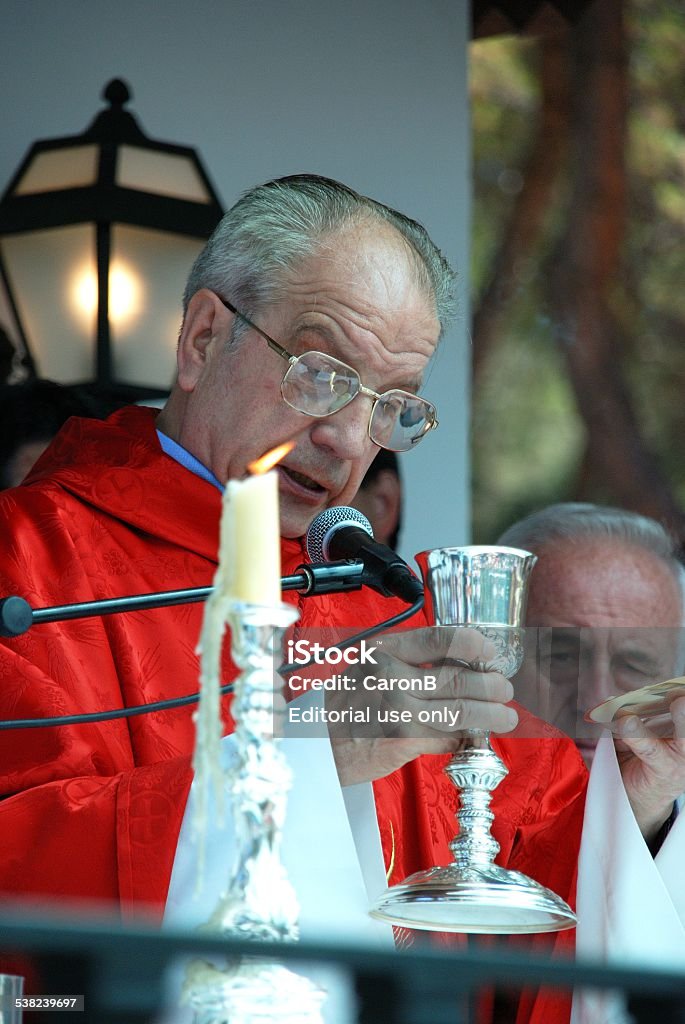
{"x": 17, "y": 616}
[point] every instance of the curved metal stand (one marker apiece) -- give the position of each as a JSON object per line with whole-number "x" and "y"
{"x": 260, "y": 903}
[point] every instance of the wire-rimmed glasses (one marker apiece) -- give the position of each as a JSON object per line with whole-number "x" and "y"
{"x": 320, "y": 385}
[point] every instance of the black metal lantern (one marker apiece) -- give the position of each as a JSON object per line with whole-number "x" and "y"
{"x": 97, "y": 234}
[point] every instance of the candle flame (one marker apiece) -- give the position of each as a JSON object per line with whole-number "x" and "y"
{"x": 269, "y": 459}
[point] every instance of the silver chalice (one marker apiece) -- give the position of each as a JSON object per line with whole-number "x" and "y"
{"x": 484, "y": 588}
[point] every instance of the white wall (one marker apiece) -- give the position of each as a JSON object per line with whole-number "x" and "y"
{"x": 372, "y": 93}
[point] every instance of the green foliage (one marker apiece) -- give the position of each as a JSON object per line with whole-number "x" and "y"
{"x": 504, "y": 96}
{"x": 527, "y": 438}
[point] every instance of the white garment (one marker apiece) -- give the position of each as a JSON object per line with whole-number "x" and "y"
{"x": 325, "y": 838}
{"x": 631, "y": 907}
{"x": 620, "y": 920}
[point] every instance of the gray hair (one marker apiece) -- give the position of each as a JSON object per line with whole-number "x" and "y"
{"x": 276, "y": 225}
{"x": 578, "y": 521}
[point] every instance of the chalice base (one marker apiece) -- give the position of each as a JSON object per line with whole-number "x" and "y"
{"x": 483, "y": 899}
{"x": 252, "y": 992}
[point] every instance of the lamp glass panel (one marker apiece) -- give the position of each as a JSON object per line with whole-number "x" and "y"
{"x": 47, "y": 270}
{"x": 54, "y": 169}
{"x": 169, "y": 174}
{"x": 148, "y": 271}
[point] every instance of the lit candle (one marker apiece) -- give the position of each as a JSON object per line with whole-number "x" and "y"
{"x": 249, "y": 570}
{"x": 250, "y": 533}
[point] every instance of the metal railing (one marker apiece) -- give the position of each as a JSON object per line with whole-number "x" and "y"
{"x": 124, "y": 968}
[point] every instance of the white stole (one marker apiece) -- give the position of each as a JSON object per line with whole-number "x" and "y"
{"x": 631, "y": 907}
{"x": 331, "y": 851}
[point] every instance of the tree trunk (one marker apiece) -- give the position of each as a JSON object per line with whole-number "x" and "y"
{"x": 527, "y": 222}
{"x": 586, "y": 263}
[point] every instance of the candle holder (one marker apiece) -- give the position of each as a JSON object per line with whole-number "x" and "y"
{"x": 259, "y": 903}
{"x": 484, "y": 588}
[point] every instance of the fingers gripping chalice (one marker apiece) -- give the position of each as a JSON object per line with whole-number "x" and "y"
{"x": 484, "y": 588}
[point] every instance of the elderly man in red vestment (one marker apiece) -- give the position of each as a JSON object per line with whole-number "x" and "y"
{"x": 359, "y": 294}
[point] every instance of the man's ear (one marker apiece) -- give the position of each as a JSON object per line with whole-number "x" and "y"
{"x": 206, "y": 325}
{"x": 386, "y": 494}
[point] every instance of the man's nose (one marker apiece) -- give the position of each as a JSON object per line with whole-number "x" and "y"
{"x": 596, "y": 684}
{"x": 346, "y": 432}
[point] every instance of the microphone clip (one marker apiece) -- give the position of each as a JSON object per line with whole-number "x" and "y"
{"x": 332, "y": 577}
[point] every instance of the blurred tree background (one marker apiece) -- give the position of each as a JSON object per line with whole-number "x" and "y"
{"x": 578, "y": 266}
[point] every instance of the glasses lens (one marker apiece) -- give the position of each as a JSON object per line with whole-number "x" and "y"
{"x": 399, "y": 420}
{"x": 319, "y": 385}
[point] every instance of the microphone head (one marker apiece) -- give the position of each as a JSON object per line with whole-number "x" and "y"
{"x": 326, "y": 524}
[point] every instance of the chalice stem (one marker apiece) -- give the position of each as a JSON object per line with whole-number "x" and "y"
{"x": 476, "y": 772}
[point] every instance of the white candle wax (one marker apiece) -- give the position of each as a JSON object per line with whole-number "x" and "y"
{"x": 248, "y": 570}
{"x": 253, "y": 534}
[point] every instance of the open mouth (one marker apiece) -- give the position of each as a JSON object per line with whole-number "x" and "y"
{"x": 302, "y": 480}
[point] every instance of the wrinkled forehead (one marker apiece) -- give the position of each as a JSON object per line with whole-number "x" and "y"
{"x": 601, "y": 582}
{"x": 369, "y": 254}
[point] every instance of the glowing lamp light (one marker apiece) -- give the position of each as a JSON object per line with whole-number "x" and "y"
{"x": 125, "y": 294}
{"x": 97, "y": 234}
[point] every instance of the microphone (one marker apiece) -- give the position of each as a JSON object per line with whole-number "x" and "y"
{"x": 344, "y": 533}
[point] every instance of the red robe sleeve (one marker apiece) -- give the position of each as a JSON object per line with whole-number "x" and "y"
{"x": 92, "y": 811}
{"x": 106, "y": 843}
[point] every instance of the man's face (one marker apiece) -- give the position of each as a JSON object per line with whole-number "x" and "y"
{"x": 356, "y": 300}
{"x": 615, "y": 612}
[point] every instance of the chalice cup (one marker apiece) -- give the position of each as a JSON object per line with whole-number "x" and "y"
{"x": 484, "y": 588}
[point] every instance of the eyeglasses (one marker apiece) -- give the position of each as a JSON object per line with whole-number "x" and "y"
{"x": 319, "y": 385}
